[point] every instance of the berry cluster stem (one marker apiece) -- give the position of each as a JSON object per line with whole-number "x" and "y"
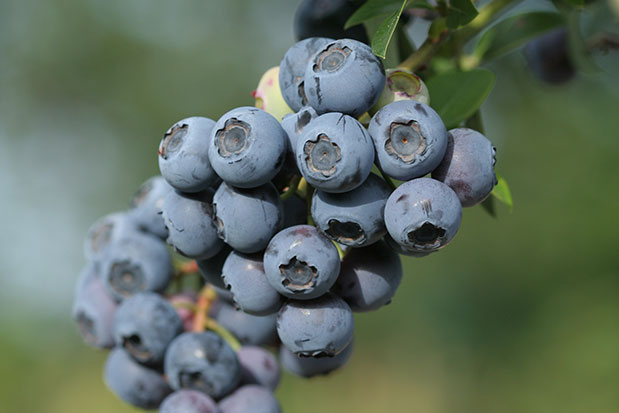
{"x": 205, "y": 300}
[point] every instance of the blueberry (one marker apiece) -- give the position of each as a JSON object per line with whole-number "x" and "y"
{"x": 410, "y": 139}
{"x": 188, "y": 218}
{"x": 295, "y": 123}
{"x": 94, "y": 309}
{"x": 335, "y": 153}
{"x": 107, "y": 230}
{"x": 204, "y": 362}
{"x": 327, "y": 18}
{"x": 344, "y": 76}
{"x": 137, "y": 385}
{"x": 183, "y": 155}
{"x": 146, "y": 206}
{"x": 292, "y": 70}
{"x": 370, "y": 277}
{"x": 211, "y": 268}
{"x": 258, "y": 366}
{"x": 295, "y": 211}
{"x": 244, "y": 276}
{"x": 188, "y": 401}
{"x": 353, "y": 218}
{"x": 322, "y": 327}
{"x": 269, "y": 96}
{"x": 134, "y": 264}
{"x": 423, "y": 215}
{"x": 144, "y": 325}
{"x": 246, "y": 219}
{"x": 312, "y": 366}
{"x": 250, "y": 398}
{"x": 248, "y": 329}
{"x": 301, "y": 263}
{"x": 549, "y": 59}
{"x": 401, "y": 84}
{"x": 468, "y": 166}
{"x": 248, "y": 147}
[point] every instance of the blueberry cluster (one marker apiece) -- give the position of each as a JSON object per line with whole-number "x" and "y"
{"x": 293, "y": 226}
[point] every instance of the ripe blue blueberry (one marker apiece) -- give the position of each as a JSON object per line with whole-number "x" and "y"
{"x": 94, "y": 309}
{"x": 250, "y": 398}
{"x": 203, "y": 362}
{"x": 137, "y": 385}
{"x": 327, "y": 18}
{"x": 107, "y": 230}
{"x": 188, "y": 401}
{"x": 301, "y": 263}
{"x": 344, "y": 76}
{"x": 246, "y": 219}
{"x": 244, "y": 277}
{"x": 468, "y": 166}
{"x": 353, "y": 218}
{"x": 144, "y": 326}
{"x": 134, "y": 264}
{"x": 146, "y": 206}
{"x": 211, "y": 268}
{"x": 313, "y": 366}
{"x": 549, "y": 58}
{"x": 248, "y": 329}
{"x": 369, "y": 277}
{"x": 322, "y": 327}
{"x": 423, "y": 215}
{"x": 183, "y": 155}
{"x": 258, "y": 366}
{"x": 335, "y": 153}
{"x": 188, "y": 218}
{"x": 292, "y": 70}
{"x": 410, "y": 139}
{"x": 247, "y": 147}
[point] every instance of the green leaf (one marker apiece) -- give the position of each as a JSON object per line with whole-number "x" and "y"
{"x": 489, "y": 206}
{"x": 502, "y": 193}
{"x": 515, "y": 31}
{"x": 384, "y": 33}
{"x": 457, "y": 95}
{"x": 371, "y": 9}
{"x": 461, "y": 12}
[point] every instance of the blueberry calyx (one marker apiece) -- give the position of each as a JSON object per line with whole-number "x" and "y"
{"x": 126, "y": 278}
{"x": 233, "y": 138}
{"x": 405, "y": 141}
{"x": 427, "y": 235}
{"x": 173, "y": 139}
{"x": 298, "y": 275}
{"x": 331, "y": 59}
{"x": 345, "y": 232}
{"x": 322, "y": 155}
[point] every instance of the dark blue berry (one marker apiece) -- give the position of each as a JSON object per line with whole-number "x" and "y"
{"x": 188, "y": 218}
{"x": 248, "y": 147}
{"x": 183, "y": 155}
{"x": 423, "y": 215}
{"x": 410, "y": 139}
{"x": 188, "y": 401}
{"x": 369, "y": 277}
{"x": 246, "y": 219}
{"x": 354, "y": 218}
{"x": 146, "y": 206}
{"x": 322, "y": 327}
{"x": 313, "y": 366}
{"x": 144, "y": 325}
{"x": 258, "y": 366}
{"x": 244, "y": 277}
{"x": 344, "y": 76}
{"x": 250, "y": 398}
{"x": 335, "y": 153}
{"x": 468, "y": 166}
{"x": 134, "y": 383}
{"x": 327, "y": 18}
{"x": 301, "y": 263}
{"x": 203, "y": 362}
{"x": 248, "y": 329}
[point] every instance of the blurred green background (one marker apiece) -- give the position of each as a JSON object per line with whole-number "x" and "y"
{"x": 519, "y": 314}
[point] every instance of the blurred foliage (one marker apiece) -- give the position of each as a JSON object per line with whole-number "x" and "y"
{"x": 518, "y": 314}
